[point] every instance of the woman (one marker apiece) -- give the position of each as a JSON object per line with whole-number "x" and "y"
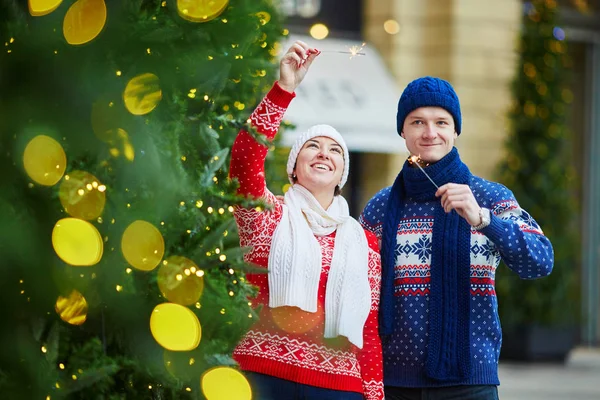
{"x": 317, "y": 335}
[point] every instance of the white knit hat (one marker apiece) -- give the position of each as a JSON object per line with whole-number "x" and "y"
{"x": 312, "y": 132}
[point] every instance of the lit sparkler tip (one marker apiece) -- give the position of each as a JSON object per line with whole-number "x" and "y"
{"x": 356, "y": 50}
{"x": 414, "y": 158}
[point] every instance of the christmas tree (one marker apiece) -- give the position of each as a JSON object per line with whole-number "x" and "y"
{"x": 539, "y": 170}
{"x": 122, "y": 276}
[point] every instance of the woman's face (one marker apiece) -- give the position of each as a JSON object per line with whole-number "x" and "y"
{"x": 320, "y": 165}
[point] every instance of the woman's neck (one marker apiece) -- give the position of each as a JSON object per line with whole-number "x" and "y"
{"x": 324, "y": 199}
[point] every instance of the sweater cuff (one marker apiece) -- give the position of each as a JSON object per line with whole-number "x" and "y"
{"x": 496, "y": 230}
{"x": 281, "y": 97}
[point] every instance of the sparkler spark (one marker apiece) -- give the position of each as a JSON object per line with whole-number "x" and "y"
{"x": 416, "y": 160}
{"x": 356, "y": 50}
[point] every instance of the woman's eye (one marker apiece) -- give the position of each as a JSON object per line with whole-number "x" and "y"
{"x": 417, "y": 122}
{"x": 442, "y": 122}
{"x": 335, "y": 149}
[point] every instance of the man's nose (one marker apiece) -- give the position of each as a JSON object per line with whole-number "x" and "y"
{"x": 429, "y": 131}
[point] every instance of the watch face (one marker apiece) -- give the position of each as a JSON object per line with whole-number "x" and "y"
{"x": 485, "y": 216}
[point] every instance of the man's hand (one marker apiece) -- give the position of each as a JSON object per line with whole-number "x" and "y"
{"x": 460, "y": 198}
{"x": 295, "y": 64}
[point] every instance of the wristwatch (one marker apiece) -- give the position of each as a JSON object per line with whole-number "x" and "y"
{"x": 485, "y": 216}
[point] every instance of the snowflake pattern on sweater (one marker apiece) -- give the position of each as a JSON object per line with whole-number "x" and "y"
{"x": 513, "y": 236}
{"x": 287, "y": 342}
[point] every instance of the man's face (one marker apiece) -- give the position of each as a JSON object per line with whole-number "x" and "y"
{"x": 429, "y": 133}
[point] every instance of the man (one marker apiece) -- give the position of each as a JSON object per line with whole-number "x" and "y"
{"x": 442, "y": 238}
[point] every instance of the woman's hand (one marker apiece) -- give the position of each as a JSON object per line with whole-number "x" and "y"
{"x": 294, "y": 65}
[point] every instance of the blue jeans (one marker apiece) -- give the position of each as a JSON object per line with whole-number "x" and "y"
{"x": 475, "y": 392}
{"x": 266, "y": 387}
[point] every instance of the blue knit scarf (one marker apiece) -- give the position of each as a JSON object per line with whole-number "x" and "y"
{"x": 448, "y": 351}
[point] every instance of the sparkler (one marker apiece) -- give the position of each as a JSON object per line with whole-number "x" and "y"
{"x": 353, "y": 53}
{"x": 352, "y": 50}
{"x": 415, "y": 160}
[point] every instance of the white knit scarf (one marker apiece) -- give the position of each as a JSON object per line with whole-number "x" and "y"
{"x": 295, "y": 263}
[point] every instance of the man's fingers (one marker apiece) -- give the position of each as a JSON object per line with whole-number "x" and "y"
{"x": 454, "y": 202}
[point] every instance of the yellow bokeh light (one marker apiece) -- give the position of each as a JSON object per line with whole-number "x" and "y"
{"x": 37, "y": 8}
{"x": 77, "y": 242}
{"x": 224, "y": 383}
{"x": 175, "y": 327}
{"x": 319, "y": 31}
{"x": 177, "y": 283}
{"x": 44, "y": 160}
{"x": 84, "y": 20}
{"x": 80, "y": 197}
{"x": 391, "y": 26}
{"x": 142, "y": 245}
{"x": 72, "y": 309}
{"x": 264, "y": 17}
{"x": 201, "y": 11}
{"x": 142, "y": 94}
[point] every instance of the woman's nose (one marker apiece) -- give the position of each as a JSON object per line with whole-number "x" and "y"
{"x": 323, "y": 154}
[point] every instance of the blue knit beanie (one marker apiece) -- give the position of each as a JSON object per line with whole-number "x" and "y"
{"x": 428, "y": 92}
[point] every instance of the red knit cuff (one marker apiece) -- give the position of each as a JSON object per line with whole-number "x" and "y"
{"x": 281, "y": 97}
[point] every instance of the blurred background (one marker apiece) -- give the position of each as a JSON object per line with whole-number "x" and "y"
{"x": 524, "y": 71}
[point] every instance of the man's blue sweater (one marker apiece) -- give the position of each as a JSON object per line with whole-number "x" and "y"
{"x": 512, "y": 236}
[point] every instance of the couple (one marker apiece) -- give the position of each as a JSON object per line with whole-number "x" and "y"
{"x": 330, "y": 300}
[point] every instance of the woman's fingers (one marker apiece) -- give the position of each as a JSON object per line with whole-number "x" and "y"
{"x": 301, "y": 51}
